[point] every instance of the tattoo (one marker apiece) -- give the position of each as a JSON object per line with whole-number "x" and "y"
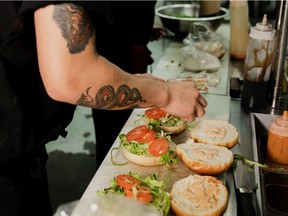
{"x": 126, "y": 96}
{"x": 85, "y": 98}
{"x": 104, "y": 96}
{"x": 107, "y": 98}
{"x": 75, "y": 25}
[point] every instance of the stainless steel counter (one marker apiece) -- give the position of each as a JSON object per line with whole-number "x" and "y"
{"x": 219, "y": 107}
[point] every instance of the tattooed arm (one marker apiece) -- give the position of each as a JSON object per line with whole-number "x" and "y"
{"x": 73, "y": 72}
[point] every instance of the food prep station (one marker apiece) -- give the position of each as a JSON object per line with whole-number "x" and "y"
{"x": 220, "y": 106}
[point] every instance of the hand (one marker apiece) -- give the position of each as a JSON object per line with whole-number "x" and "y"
{"x": 185, "y": 100}
{"x": 157, "y": 33}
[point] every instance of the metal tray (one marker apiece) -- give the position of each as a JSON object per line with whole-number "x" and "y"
{"x": 272, "y": 182}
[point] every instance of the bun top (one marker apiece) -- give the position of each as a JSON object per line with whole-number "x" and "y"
{"x": 207, "y": 159}
{"x": 199, "y": 195}
{"x": 217, "y": 132}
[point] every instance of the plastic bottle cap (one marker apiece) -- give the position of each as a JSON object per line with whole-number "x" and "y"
{"x": 279, "y": 125}
{"x": 282, "y": 121}
{"x": 263, "y": 30}
{"x": 264, "y": 26}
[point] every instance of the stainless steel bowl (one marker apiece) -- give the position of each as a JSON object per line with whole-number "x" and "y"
{"x": 178, "y": 18}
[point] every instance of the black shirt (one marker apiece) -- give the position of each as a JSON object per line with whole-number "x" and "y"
{"x": 29, "y": 118}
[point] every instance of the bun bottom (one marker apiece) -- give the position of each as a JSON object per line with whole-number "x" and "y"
{"x": 141, "y": 160}
{"x": 146, "y": 160}
{"x": 173, "y": 130}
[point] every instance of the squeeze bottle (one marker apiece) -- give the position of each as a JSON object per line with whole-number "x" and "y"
{"x": 258, "y": 63}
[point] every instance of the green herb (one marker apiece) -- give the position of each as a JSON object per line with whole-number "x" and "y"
{"x": 112, "y": 158}
{"x": 238, "y": 157}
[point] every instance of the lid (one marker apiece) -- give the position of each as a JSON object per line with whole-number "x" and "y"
{"x": 279, "y": 125}
{"x": 282, "y": 121}
{"x": 263, "y": 30}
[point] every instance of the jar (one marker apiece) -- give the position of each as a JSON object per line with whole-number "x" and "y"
{"x": 277, "y": 145}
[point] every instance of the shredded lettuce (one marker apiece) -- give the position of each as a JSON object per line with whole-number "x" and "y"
{"x": 161, "y": 199}
{"x": 142, "y": 149}
{"x": 167, "y": 120}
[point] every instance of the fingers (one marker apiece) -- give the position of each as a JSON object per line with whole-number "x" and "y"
{"x": 157, "y": 33}
{"x": 186, "y": 101}
{"x": 199, "y": 111}
{"x": 189, "y": 119}
{"x": 202, "y": 101}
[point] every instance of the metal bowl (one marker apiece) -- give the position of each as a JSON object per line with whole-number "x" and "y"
{"x": 178, "y": 18}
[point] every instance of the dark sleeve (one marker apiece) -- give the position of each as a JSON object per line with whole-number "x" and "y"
{"x": 134, "y": 20}
{"x": 100, "y": 8}
{"x": 31, "y": 6}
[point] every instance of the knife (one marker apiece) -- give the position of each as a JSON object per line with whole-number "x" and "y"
{"x": 244, "y": 186}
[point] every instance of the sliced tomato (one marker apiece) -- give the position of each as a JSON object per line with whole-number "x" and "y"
{"x": 127, "y": 181}
{"x": 155, "y": 113}
{"x": 143, "y": 194}
{"x": 145, "y": 199}
{"x": 158, "y": 147}
{"x": 137, "y": 132}
{"x": 148, "y": 137}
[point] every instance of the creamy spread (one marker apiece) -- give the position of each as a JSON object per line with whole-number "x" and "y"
{"x": 215, "y": 132}
{"x": 206, "y": 196}
{"x": 205, "y": 153}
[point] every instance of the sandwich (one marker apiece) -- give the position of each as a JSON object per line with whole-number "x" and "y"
{"x": 199, "y": 195}
{"x": 159, "y": 120}
{"x": 217, "y": 132}
{"x": 205, "y": 159}
{"x": 147, "y": 191}
{"x": 143, "y": 146}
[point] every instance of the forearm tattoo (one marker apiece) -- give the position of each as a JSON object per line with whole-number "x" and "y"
{"x": 107, "y": 98}
{"x": 75, "y": 25}
{"x": 76, "y": 29}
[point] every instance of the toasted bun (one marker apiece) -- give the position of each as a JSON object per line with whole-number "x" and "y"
{"x": 173, "y": 129}
{"x": 217, "y": 132}
{"x": 198, "y": 195}
{"x": 144, "y": 160}
{"x": 207, "y": 159}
